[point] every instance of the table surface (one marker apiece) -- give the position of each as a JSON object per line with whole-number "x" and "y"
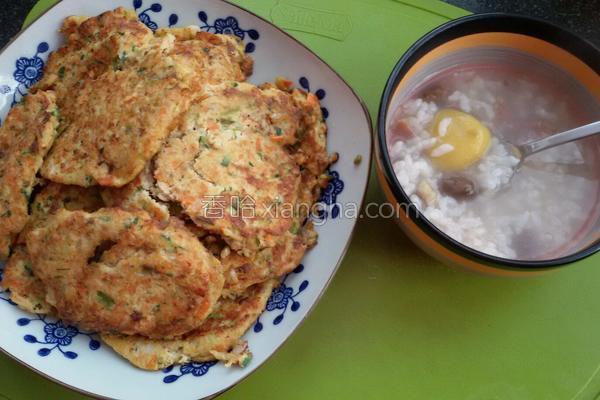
{"x": 395, "y": 323}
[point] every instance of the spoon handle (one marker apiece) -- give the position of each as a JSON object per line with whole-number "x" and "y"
{"x": 581, "y": 132}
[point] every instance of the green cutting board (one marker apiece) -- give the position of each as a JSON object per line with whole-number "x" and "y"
{"x": 395, "y": 323}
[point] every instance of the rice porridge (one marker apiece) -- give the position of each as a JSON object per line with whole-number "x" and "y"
{"x": 446, "y": 143}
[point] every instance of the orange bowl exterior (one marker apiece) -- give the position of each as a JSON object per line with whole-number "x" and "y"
{"x": 521, "y": 34}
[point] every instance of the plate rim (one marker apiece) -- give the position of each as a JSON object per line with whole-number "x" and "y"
{"x": 341, "y": 258}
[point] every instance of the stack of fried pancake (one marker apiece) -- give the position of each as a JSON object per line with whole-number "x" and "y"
{"x": 150, "y": 194}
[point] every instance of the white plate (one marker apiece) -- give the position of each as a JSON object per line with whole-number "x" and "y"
{"x": 77, "y": 359}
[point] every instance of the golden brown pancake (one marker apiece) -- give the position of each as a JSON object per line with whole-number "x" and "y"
{"x": 116, "y": 114}
{"x": 26, "y": 289}
{"x": 247, "y": 146}
{"x": 119, "y": 271}
{"x": 310, "y": 148}
{"x": 226, "y": 168}
{"x": 271, "y": 262}
{"x": 137, "y": 195}
{"x": 215, "y": 339}
{"x": 203, "y": 58}
{"x": 117, "y": 123}
{"x": 25, "y": 137}
{"x": 93, "y": 46}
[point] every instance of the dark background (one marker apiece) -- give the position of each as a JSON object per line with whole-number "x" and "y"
{"x": 580, "y": 16}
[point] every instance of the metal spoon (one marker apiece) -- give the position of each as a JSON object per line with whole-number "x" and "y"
{"x": 463, "y": 188}
{"x": 522, "y": 151}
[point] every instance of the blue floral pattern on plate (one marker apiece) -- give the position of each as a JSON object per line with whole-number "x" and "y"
{"x": 56, "y": 334}
{"x": 283, "y": 298}
{"x": 173, "y": 19}
{"x": 333, "y": 189}
{"x": 194, "y": 368}
{"x": 328, "y": 206}
{"x": 28, "y": 71}
{"x": 144, "y": 15}
{"x": 229, "y": 26}
{"x": 320, "y": 93}
{"x": 226, "y": 25}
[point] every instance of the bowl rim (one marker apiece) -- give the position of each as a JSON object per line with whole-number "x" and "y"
{"x": 472, "y": 24}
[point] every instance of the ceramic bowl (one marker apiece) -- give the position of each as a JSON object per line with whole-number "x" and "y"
{"x": 466, "y": 42}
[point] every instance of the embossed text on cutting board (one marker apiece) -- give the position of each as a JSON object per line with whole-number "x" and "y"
{"x": 331, "y": 24}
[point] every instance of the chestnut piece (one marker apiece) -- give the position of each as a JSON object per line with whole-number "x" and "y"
{"x": 459, "y": 187}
